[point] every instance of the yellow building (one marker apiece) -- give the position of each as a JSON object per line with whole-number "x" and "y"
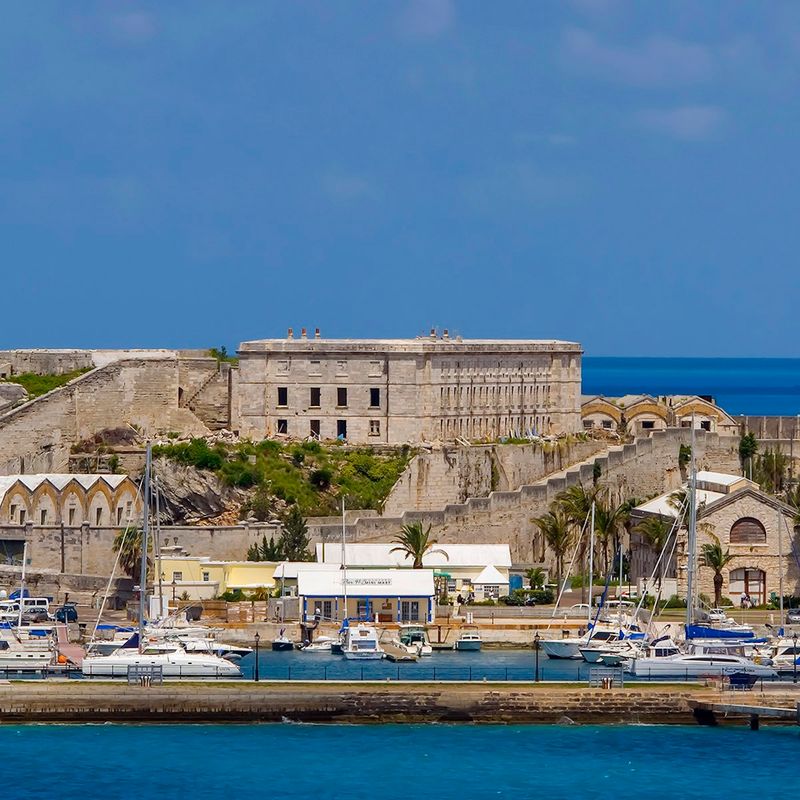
{"x": 203, "y": 579}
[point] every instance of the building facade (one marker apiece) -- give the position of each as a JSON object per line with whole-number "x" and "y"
{"x": 395, "y": 391}
{"x": 754, "y": 527}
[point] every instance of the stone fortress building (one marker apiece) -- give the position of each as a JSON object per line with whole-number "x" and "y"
{"x": 372, "y": 391}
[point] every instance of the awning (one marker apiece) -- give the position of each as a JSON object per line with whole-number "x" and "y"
{"x": 490, "y": 576}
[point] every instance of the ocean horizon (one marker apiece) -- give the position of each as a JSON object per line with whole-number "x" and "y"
{"x": 749, "y": 386}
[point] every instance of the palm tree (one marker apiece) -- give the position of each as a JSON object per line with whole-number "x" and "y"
{"x": 535, "y": 577}
{"x": 793, "y": 499}
{"x": 713, "y": 558}
{"x": 655, "y": 530}
{"x": 576, "y": 503}
{"x": 607, "y": 520}
{"x": 128, "y": 543}
{"x": 416, "y": 543}
{"x": 557, "y": 532}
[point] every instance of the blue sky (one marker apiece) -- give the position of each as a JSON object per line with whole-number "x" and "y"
{"x": 196, "y": 173}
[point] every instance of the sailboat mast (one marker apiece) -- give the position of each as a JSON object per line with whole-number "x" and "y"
{"x": 591, "y": 565}
{"x": 145, "y": 537}
{"x": 344, "y": 565}
{"x": 22, "y": 582}
{"x": 780, "y": 563}
{"x": 157, "y": 549}
{"x": 692, "y": 536}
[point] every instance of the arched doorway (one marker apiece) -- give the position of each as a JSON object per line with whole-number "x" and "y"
{"x": 751, "y": 581}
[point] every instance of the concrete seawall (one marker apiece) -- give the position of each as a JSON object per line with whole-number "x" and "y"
{"x": 106, "y": 701}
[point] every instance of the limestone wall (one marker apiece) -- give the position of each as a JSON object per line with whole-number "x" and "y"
{"x": 88, "y": 550}
{"x": 452, "y": 474}
{"x": 642, "y": 469}
{"x": 37, "y": 436}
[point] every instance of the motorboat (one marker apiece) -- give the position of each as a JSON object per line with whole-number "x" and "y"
{"x": 282, "y": 642}
{"x": 170, "y": 657}
{"x": 322, "y": 644}
{"x": 603, "y": 652}
{"x": 469, "y": 640}
{"x": 231, "y": 652}
{"x": 697, "y": 665}
{"x": 414, "y": 639}
{"x": 786, "y": 656}
{"x": 29, "y": 656}
{"x": 570, "y": 646}
{"x": 361, "y": 642}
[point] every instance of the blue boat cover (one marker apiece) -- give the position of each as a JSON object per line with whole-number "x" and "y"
{"x": 707, "y": 632}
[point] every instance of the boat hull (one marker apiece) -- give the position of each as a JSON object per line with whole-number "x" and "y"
{"x": 363, "y": 655}
{"x": 665, "y": 668}
{"x": 562, "y": 648}
{"x": 468, "y": 646}
{"x": 282, "y": 647}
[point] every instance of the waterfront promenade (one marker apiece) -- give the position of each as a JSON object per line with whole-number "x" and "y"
{"x": 108, "y": 701}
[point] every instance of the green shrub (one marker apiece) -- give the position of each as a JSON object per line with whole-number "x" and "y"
{"x": 232, "y": 596}
{"x": 321, "y": 478}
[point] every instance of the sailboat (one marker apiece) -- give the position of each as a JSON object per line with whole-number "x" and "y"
{"x": 171, "y": 658}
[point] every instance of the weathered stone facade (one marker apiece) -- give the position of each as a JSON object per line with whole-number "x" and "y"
{"x": 426, "y": 389}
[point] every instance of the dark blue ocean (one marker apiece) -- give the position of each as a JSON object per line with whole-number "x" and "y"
{"x": 388, "y": 762}
{"x": 739, "y": 385}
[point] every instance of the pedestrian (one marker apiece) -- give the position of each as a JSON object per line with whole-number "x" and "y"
{"x": 743, "y": 599}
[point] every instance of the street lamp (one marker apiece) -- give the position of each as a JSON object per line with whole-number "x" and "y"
{"x": 255, "y": 670}
{"x": 536, "y": 640}
{"x": 794, "y": 657}
{"x": 174, "y": 587}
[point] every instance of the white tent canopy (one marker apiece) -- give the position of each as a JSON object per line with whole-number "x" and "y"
{"x": 490, "y": 576}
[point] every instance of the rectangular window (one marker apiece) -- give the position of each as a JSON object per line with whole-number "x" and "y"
{"x": 315, "y": 428}
{"x": 283, "y": 366}
{"x": 327, "y": 609}
{"x": 119, "y": 515}
{"x": 341, "y": 397}
{"x": 588, "y": 424}
{"x": 71, "y": 515}
{"x": 341, "y": 428}
{"x": 98, "y": 516}
{"x": 206, "y": 577}
{"x": 315, "y": 397}
{"x": 374, "y": 398}
{"x": 43, "y": 517}
{"x": 314, "y": 368}
{"x": 374, "y": 427}
{"x": 283, "y": 426}
{"x": 22, "y": 516}
{"x": 491, "y": 591}
{"x": 375, "y": 368}
{"x": 648, "y": 425}
{"x": 341, "y": 368}
{"x": 607, "y": 424}
{"x": 177, "y": 576}
{"x": 12, "y": 512}
{"x": 283, "y": 396}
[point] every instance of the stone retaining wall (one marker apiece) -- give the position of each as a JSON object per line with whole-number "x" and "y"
{"x": 96, "y": 701}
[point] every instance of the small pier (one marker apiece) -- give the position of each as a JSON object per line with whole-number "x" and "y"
{"x": 707, "y": 713}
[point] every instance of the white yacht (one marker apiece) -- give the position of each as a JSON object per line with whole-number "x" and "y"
{"x": 469, "y": 639}
{"x": 171, "y": 657}
{"x": 570, "y": 647}
{"x": 322, "y": 644}
{"x": 361, "y": 642}
{"x": 413, "y": 638}
{"x": 16, "y": 656}
{"x": 697, "y": 665}
{"x": 786, "y": 656}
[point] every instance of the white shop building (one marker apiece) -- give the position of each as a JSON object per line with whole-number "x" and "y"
{"x": 376, "y": 595}
{"x": 481, "y": 570}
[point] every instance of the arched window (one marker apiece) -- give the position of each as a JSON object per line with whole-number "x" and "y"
{"x": 748, "y": 530}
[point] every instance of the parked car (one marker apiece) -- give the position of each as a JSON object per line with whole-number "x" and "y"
{"x": 67, "y": 613}
{"x": 793, "y": 616}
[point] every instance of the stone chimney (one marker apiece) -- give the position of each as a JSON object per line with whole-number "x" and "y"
{"x": 303, "y": 334}
{"x": 446, "y": 335}
{"x": 433, "y": 333}
{"x": 290, "y": 335}
{"x": 316, "y": 333}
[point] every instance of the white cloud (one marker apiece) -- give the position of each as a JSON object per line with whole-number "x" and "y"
{"x": 426, "y": 19}
{"x": 687, "y": 123}
{"x": 655, "y": 61}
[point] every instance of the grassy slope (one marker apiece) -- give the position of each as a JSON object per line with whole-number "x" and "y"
{"x": 36, "y": 385}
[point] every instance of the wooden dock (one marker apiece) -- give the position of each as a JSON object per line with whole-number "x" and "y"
{"x": 707, "y": 713}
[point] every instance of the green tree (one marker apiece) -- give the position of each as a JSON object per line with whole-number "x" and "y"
{"x": 748, "y": 447}
{"x": 416, "y": 543}
{"x": 294, "y": 540}
{"x": 128, "y": 543}
{"x": 536, "y": 577}
{"x": 793, "y": 500}
{"x": 271, "y": 550}
{"x": 557, "y": 532}
{"x": 713, "y": 557}
{"x": 607, "y": 522}
{"x": 655, "y": 530}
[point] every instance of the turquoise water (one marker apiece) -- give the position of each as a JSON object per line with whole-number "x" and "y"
{"x": 740, "y": 385}
{"x": 394, "y": 761}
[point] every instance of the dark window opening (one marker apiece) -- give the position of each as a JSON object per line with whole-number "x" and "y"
{"x": 315, "y": 397}
{"x": 283, "y": 396}
{"x": 341, "y": 428}
{"x": 341, "y": 397}
{"x": 706, "y": 425}
{"x": 374, "y": 398}
{"x": 648, "y": 425}
{"x": 283, "y": 426}
{"x": 315, "y": 428}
